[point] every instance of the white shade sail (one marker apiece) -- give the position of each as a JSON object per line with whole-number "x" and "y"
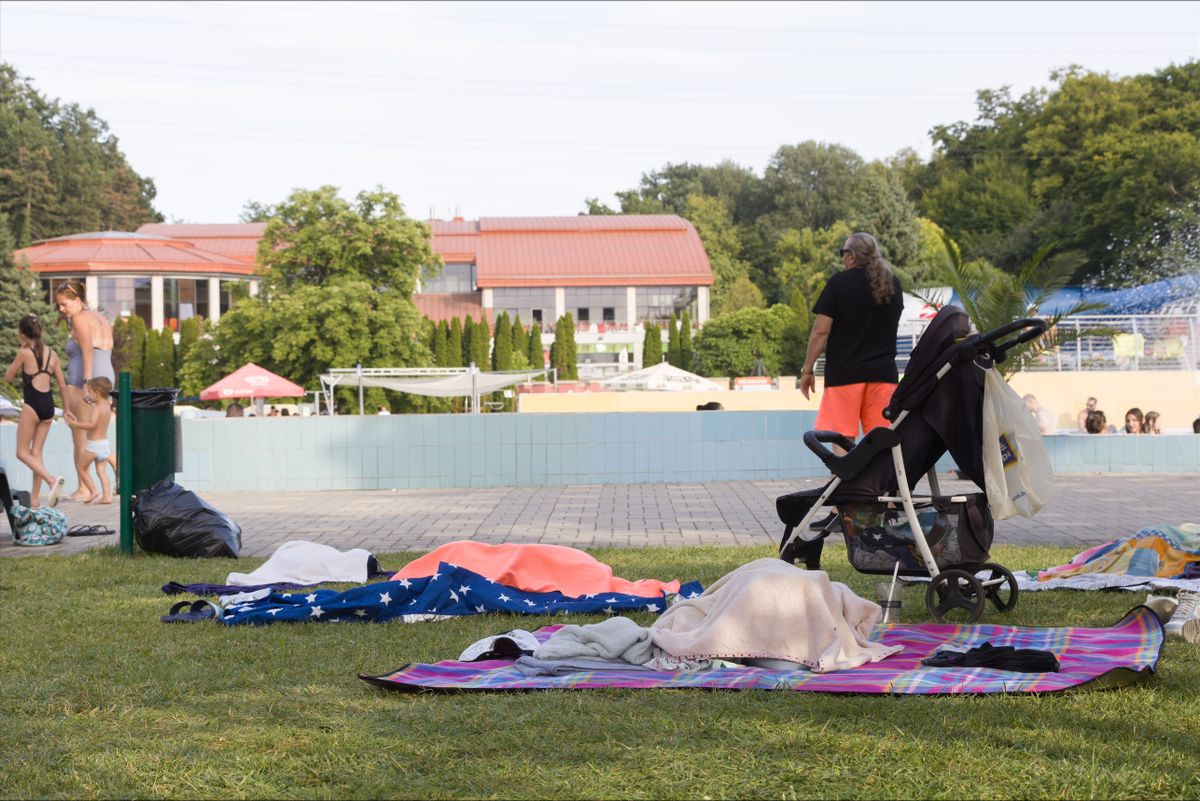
{"x": 662, "y": 377}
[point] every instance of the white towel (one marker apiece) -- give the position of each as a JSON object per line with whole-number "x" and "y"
{"x": 301, "y": 562}
{"x": 770, "y": 609}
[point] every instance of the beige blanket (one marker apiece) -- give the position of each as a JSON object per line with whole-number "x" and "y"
{"x": 771, "y": 609}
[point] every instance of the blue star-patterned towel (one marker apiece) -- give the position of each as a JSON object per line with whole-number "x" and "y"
{"x": 450, "y": 591}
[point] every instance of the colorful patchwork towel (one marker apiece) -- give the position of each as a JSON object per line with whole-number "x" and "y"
{"x": 1158, "y": 551}
{"x": 1126, "y": 653}
{"x": 450, "y": 591}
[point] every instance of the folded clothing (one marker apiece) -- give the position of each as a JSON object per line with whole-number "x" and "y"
{"x": 1004, "y": 657}
{"x": 770, "y": 609}
{"x": 534, "y": 567}
{"x": 302, "y": 562}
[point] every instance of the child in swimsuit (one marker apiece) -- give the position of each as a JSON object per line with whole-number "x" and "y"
{"x": 96, "y": 393}
{"x": 35, "y": 360}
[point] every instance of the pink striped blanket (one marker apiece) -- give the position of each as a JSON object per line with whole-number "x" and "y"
{"x": 1100, "y": 658}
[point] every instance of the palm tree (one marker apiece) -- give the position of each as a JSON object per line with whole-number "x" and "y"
{"x": 992, "y": 297}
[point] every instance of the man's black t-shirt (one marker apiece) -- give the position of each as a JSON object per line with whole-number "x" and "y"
{"x": 862, "y": 342}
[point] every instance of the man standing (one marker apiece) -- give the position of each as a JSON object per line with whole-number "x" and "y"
{"x": 856, "y": 319}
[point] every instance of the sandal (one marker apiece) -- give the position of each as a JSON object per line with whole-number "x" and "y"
{"x": 89, "y": 531}
{"x": 196, "y": 612}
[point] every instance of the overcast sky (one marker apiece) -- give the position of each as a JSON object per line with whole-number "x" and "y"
{"x": 500, "y": 109}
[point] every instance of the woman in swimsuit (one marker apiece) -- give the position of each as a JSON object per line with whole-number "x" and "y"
{"x": 89, "y": 355}
{"x": 37, "y": 364}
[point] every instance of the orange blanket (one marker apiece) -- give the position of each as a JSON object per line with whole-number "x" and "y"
{"x": 534, "y": 568}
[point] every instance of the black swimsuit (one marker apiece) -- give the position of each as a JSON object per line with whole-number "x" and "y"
{"x": 42, "y": 402}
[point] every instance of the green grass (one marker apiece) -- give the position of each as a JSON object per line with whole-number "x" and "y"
{"x": 100, "y": 699}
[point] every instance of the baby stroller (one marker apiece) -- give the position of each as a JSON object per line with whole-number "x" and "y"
{"x": 937, "y": 407}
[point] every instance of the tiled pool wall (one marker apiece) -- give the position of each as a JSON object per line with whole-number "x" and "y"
{"x": 418, "y": 451}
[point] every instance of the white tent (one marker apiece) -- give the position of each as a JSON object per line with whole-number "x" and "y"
{"x": 662, "y": 377}
{"x": 447, "y": 382}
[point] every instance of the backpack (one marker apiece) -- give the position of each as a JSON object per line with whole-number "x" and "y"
{"x": 43, "y": 526}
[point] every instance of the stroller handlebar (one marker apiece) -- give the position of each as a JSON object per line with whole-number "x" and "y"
{"x": 1030, "y": 328}
{"x": 815, "y": 440}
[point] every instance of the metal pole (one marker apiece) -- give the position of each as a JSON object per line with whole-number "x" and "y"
{"x": 358, "y": 369}
{"x": 125, "y": 459}
{"x": 474, "y": 389}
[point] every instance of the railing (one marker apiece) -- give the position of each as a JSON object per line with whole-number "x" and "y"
{"x": 1135, "y": 342}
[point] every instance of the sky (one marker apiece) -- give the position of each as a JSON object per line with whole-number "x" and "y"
{"x": 528, "y": 108}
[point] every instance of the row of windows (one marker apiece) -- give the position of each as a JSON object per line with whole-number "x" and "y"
{"x": 597, "y": 304}
{"x": 122, "y": 296}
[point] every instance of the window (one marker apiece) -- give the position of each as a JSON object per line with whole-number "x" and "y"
{"x": 590, "y": 301}
{"x": 537, "y": 316}
{"x": 658, "y": 303}
{"x": 118, "y": 296}
{"x": 455, "y": 277}
{"x": 184, "y": 298}
{"x": 529, "y": 302}
{"x": 582, "y": 315}
{"x": 610, "y": 314}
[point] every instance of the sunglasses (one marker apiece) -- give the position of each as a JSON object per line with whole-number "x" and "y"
{"x": 844, "y": 251}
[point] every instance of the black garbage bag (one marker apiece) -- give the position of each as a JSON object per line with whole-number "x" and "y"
{"x": 174, "y": 521}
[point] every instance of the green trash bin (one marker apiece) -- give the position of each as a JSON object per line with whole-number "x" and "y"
{"x": 155, "y": 436}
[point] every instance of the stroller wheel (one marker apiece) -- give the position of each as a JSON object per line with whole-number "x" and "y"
{"x": 955, "y": 596}
{"x": 1000, "y": 585}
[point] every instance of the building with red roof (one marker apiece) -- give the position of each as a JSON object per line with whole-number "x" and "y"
{"x": 611, "y": 273}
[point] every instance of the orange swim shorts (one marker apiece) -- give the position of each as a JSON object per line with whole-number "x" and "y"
{"x": 844, "y": 407}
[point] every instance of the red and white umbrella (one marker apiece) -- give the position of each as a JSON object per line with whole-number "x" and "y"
{"x": 252, "y": 381}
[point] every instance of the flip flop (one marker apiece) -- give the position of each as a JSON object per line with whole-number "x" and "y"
{"x": 197, "y": 612}
{"x": 89, "y": 531}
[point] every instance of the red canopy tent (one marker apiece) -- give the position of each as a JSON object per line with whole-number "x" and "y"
{"x": 252, "y": 381}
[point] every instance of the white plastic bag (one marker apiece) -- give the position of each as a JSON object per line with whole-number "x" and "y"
{"x": 1016, "y": 469}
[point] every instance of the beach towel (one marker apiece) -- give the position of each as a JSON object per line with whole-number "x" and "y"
{"x": 1124, "y": 654}
{"x": 771, "y": 609}
{"x": 449, "y": 592}
{"x": 1157, "y": 551}
{"x": 535, "y": 567}
{"x": 302, "y": 562}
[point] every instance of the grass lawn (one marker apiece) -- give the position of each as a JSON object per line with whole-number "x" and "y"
{"x": 98, "y": 699}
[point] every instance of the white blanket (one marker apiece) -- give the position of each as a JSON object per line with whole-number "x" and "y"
{"x": 771, "y": 609}
{"x": 616, "y": 639}
{"x": 301, "y": 562}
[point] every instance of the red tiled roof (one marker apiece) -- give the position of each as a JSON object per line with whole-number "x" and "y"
{"x": 115, "y": 251}
{"x": 448, "y": 306}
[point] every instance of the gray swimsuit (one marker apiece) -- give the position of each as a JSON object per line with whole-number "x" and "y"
{"x": 101, "y": 364}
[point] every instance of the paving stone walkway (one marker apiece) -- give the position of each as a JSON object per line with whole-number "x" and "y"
{"x": 1088, "y": 510}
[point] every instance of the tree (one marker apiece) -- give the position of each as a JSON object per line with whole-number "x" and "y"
{"x": 686, "y": 352}
{"x": 727, "y": 345}
{"x": 793, "y": 346}
{"x": 157, "y": 370}
{"x": 21, "y": 294}
{"x": 537, "y": 353}
{"x": 807, "y": 258}
{"x": 502, "y": 349}
{"x": 255, "y": 212}
{"x": 62, "y": 169}
{"x": 722, "y": 244}
{"x": 440, "y": 332}
{"x": 190, "y": 331}
{"x": 520, "y": 340}
{"x": 674, "y": 355}
{"x": 812, "y": 185}
{"x": 882, "y": 208}
{"x": 563, "y": 354}
{"x": 481, "y": 345}
{"x": 468, "y": 342}
{"x": 454, "y": 345}
{"x": 129, "y": 349}
{"x": 992, "y": 298}
{"x": 317, "y": 238}
{"x": 652, "y": 349}
{"x": 744, "y": 294}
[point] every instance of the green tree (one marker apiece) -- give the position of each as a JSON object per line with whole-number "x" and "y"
{"x": 812, "y": 185}
{"x": 62, "y": 169}
{"x": 156, "y": 371}
{"x": 536, "y": 355}
{"x": 807, "y": 258}
{"x": 674, "y": 354}
{"x": 727, "y": 344}
{"x": 793, "y": 346}
{"x": 317, "y": 238}
{"x": 652, "y": 348}
{"x": 563, "y": 354}
{"x": 440, "y": 332}
{"x": 686, "y": 352}
{"x": 992, "y": 298}
{"x": 21, "y": 294}
{"x": 190, "y": 331}
{"x": 721, "y": 243}
{"x": 520, "y": 341}
{"x": 744, "y": 294}
{"x": 883, "y": 209}
{"x": 454, "y": 345}
{"x": 255, "y": 212}
{"x": 502, "y": 350}
{"x": 481, "y": 345}
{"x": 468, "y": 342}
{"x": 129, "y": 349}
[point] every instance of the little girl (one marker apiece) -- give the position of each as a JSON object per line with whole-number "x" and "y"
{"x": 37, "y": 364}
{"x": 97, "y": 393}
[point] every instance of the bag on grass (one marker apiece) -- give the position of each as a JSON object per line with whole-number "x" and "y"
{"x": 1016, "y": 469}
{"x": 44, "y": 526}
{"x": 173, "y": 521}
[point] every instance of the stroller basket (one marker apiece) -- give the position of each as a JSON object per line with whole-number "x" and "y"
{"x": 958, "y": 529}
